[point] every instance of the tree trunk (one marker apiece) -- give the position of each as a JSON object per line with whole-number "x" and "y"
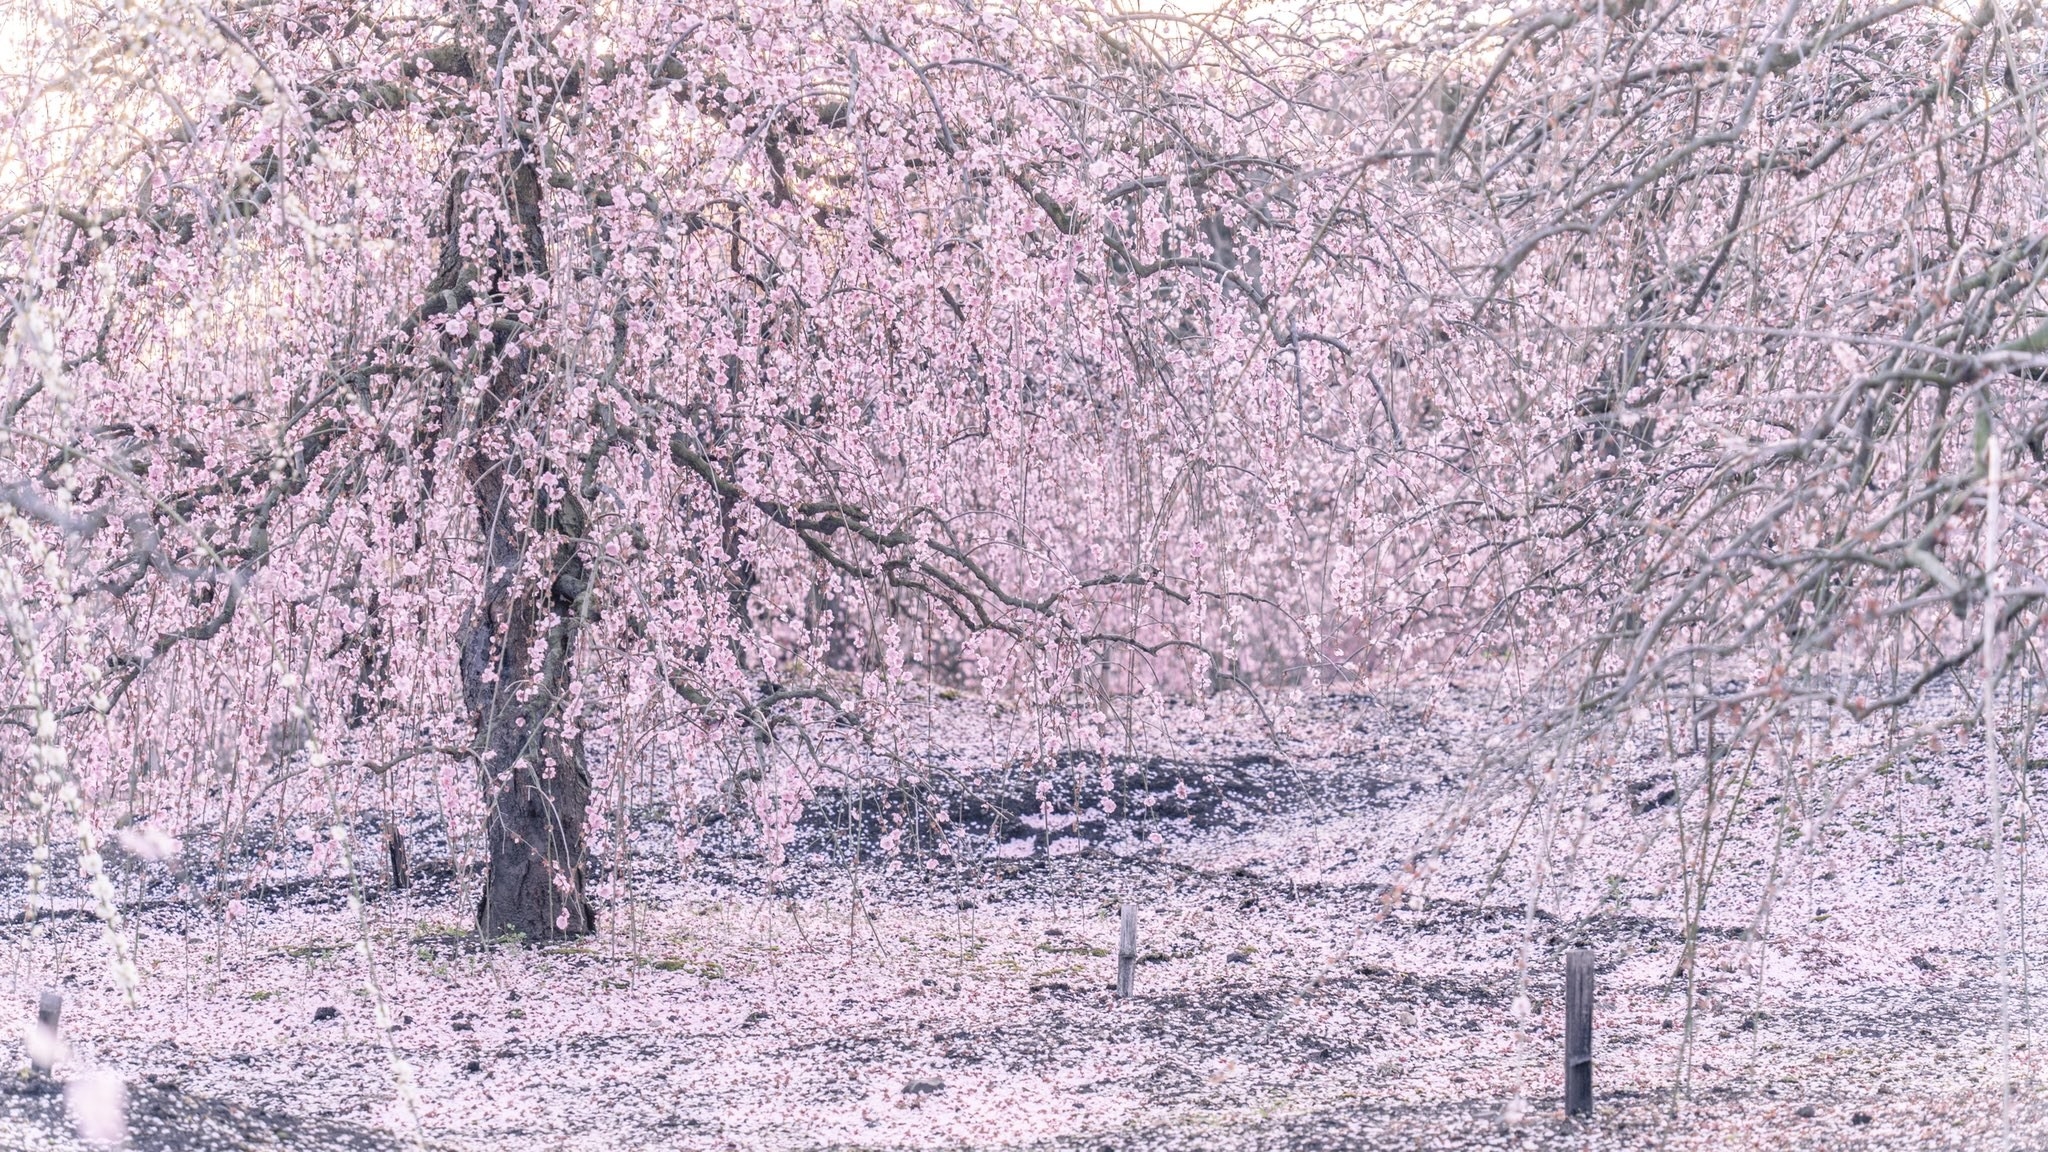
{"x": 518, "y": 647}
{"x": 538, "y": 786}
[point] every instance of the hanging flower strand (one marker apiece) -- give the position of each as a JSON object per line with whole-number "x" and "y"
{"x": 318, "y": 761}
{"x": 51, "y": 763}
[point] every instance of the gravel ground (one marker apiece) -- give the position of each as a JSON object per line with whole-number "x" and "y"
{"x": 957, "y": 994}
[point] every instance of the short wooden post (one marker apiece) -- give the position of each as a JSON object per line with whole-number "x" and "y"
{"x": 42, "y": 1054}
{"x": 1127, "y": 952}
{"x": 1578, "y": 1032}
{"x": 401, "y": 866}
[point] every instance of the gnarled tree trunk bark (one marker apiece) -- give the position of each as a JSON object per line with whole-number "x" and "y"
{"x": 537, "y": 784}
{"x": 517, "y": 658}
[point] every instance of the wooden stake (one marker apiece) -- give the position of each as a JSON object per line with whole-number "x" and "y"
{"x": 1994, "y": 769}
{"x": 43, "y": 1054}
{"x": 1127, "y": 952}
{"x": 401, "y": 865}
{"x": 1578, "y": 1032}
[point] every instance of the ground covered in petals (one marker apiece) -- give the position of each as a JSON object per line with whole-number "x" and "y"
{"x": 904, "y": 981}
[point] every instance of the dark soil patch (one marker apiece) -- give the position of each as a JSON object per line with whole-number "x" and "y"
{"x": 164, "y": 1118}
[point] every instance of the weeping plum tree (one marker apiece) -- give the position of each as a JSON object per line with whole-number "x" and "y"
{"x": 475, "y": 385}
{"x": 532, "y": 388}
